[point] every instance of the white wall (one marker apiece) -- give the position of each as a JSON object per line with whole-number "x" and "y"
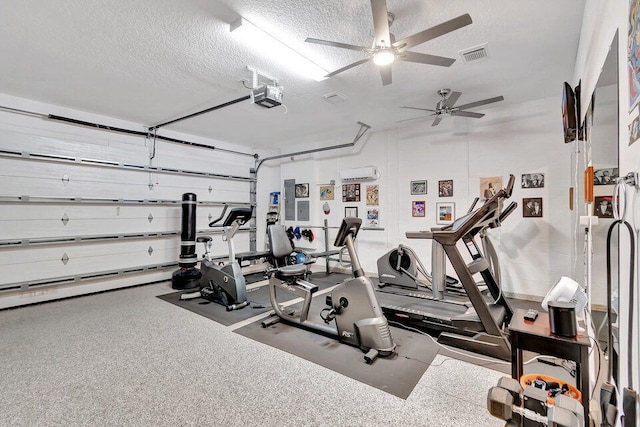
{"x": 19, "y": 220}
{"x": 523, "y": 138}
{"x": 602, "y": 18}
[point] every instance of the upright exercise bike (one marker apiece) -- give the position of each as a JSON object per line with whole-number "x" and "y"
{"x": 223, "y": 283}
{"x": 359, "y": 320}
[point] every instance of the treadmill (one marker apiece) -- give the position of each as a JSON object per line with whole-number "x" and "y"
{"x": 475, "y": 323}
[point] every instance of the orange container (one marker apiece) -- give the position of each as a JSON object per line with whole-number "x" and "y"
{"x": 573, "y": 392}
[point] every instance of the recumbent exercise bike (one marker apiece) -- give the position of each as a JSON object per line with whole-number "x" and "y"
{"x": 353, "y": 305}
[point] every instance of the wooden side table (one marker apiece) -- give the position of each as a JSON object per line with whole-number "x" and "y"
{"x": 536, "y": 337}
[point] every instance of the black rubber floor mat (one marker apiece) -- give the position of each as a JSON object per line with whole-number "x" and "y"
{"x": 397, "y": 375}
{"x": 259, "y": 298}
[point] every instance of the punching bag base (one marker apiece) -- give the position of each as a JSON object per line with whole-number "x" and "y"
{"x": 186, "y": 278}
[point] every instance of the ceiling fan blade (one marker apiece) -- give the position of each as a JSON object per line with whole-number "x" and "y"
{"x": 467, "y": 114}
{"x": 452, "y": 99}
{"x": 479, "y": 103}
{"x": 421, "y": 109}
{"x": 423, "y": 58}
{"x": 355, "y": 64}
{"x": 433, "y": 32}
{"x": 337, "y": 44}
{"x": 385, "y": 73}
{"x": 381, "y": 22}
{"x": 414, "y": 118}
{"x": 436, "y": 121}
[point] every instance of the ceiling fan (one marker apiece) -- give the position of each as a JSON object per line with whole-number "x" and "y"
{"x": 446, "y": 107}
{"x": 386, "y": 49}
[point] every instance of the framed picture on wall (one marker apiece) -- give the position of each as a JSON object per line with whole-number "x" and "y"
{"x": 605, "y": 176}
{"x": 373, "y": 217}
{"x": 419, "y": 187}
{"x": 445, "y": 188}
{"x": 326, "y": 192}
{"x": 351, "y": 211}
{"x": 418, "y": 208}
{"x": 302, "y": 190}
{"x": 532, "y": 207}
{"x": 634, "y": 130}
{"x": 633, "y": 53}
{"x": 351, "y": 192}
{"x": 445, "y": 213}
{"x": 532, "y": 180}
{"x": 373, "y": 195}
{"x": 603, "y": 207}
{"x": 490, "y": 186}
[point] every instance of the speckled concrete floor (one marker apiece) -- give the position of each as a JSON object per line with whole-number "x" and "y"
{"x": 128, "y": 358}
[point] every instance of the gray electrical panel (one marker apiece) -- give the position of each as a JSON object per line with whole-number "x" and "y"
{"x": 290, "y": 199}
{"x": 303, "y": 210}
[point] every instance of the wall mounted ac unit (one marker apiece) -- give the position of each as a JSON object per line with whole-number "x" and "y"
{"x": 360, "y": 174}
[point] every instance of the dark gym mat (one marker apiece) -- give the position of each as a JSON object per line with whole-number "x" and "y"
{"x": 397, "y": 375}
{"x": 259, "y": 298}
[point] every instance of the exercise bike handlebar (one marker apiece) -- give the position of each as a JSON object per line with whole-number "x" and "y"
{"x": 349, "y": 226}
{"x": 224, "y": 211}
{"x": 236, "y": 215}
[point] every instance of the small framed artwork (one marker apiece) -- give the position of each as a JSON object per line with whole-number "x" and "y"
{"x": 605, "y": 176}
{"x": 373, "y": 197}
{"x": 634, "y": 130}
{"x": 351, "y": 192}
{"x": 326, "y": 192}
{"x": 373, "y": 217}
{"x": 351, "y": 211}
{"x": 418, "y": 187}
{"x": 603, "y": 206}
{"x": 532, "y": 180}
{"x": 490, "y": 186}
{"x": 445, "y": 188}
{"x": 302, "y": 190}
{"x": 445, "y": 213}
{"x": 532, "y": 207}
{"x": 418, "y": 208}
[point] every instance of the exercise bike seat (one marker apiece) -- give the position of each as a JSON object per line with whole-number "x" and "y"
{"x": 203, "y": 239}
{"x": 290, "y": 271}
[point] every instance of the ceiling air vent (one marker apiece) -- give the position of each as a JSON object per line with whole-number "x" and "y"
{"x": 474, "y": 54}
{"x": 334, "y": 98}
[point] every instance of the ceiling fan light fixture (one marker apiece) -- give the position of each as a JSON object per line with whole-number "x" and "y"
{"x": 384, "y": 57}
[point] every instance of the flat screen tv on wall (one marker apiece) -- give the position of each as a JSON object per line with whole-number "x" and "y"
{"x": 569, "y": 115}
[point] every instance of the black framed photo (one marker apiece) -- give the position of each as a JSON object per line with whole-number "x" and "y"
{"x": 605, "y": 176}
{"x": 302, "y": 190}
{"x": 532, "y": 207}
{"x": 445, "y": 188}
{"x": 350, "y": 192}
{"x": 532, "y": 180}
{"x": 603, "y": 206}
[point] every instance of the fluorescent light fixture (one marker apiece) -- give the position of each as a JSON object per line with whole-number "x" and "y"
{"x": 384, "y": 57}
{"x": 270, "y": 46}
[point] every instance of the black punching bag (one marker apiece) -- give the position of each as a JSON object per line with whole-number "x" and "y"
{"x": 188, "y": 276}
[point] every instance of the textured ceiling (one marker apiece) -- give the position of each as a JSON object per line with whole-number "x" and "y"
{"x": 148, "y": 61}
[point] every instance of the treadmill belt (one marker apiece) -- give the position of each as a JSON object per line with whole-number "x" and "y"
{"x": 435, "y": 309}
